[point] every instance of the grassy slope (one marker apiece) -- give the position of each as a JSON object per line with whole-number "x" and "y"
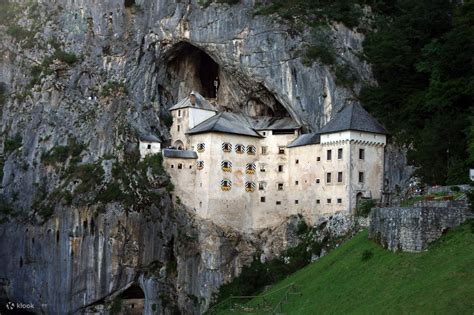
{"x": 437, "y": 281}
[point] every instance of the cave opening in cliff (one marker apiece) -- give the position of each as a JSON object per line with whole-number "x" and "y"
{"x": 129, "y": 3}
{"x": 188, "y": 68}
{"x": 194, "y": 69}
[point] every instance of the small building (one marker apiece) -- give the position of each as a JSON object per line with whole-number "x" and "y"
{"x": 253, "y": 172}
{"x": 149, "y": 144}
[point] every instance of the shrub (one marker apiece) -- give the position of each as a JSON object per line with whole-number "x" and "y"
{"x": 170, "y": 187}
{"x": 154, "y": 162}
{"x": 167, "y": 120}
{"x": 18, "y": 32}
{"x": 64, "y": 56}
{"x": 364, "y": 207}
{"x": 60, "y": 154}
{"x": 366, "y": 255}
{"x": 46, "y": 212}
{"x": 11, "y": 144}
{"x": 302, "y": 228}
{"x": 116, "y": 306}
{"x": 114, "y": 88}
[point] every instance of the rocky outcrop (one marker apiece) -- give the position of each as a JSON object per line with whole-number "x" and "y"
{"x": 88, "y": 78}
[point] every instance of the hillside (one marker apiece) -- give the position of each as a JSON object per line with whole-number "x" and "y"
{"x": 437, "y": 281}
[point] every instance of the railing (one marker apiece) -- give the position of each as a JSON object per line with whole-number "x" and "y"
{"x": 237, "y": 304}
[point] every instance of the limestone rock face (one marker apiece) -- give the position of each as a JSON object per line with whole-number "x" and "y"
{"x": 89, "y": 77}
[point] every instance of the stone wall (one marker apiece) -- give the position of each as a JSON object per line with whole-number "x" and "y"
{"x": 412, "y": 229}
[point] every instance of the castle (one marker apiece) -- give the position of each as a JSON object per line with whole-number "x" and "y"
{"x": 253, "y": 172}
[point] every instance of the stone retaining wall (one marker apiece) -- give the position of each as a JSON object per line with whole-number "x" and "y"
{"x": 412, "y": 229}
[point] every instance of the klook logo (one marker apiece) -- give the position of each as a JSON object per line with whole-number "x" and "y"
{"x": 10, "y": 306}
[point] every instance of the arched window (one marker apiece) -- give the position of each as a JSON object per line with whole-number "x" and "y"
{"x": 250, "y": 168}
{"x": 226, "y": 166}
{"x": 200, "y": 165}
{"x": 226, "y": 184}
{"x": 251, "y": 150}
{"x": 249, "y": 186}
{"x": 239, "y": 148}
{"x": 226, "y": 147}
{"x": 201, "y": 147}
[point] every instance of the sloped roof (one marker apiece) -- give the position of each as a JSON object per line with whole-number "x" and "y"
{"x": 353, "y": 117}
{"x": 182, "y": 154}
{"x": 274, "y": 123}
{"x": 149, "y": 138}
{"x": 201, "y": 103}
{"x": 306, "y": 139}
{"x": 227, "y": 123}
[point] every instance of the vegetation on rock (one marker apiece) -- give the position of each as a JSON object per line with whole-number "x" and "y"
{"x": 341, "y": 283}
{"x": 421, "y": 54}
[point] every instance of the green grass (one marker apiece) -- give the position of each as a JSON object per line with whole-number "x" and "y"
{"x": 351, "y": 281}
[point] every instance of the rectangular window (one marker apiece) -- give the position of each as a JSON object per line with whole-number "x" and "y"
{"x": 179, "y": 112}
{"x": 339, "y": 200}
{"x": 180, "y": 166}
{"x": 328, "y": 200}
{"x": 339, "y": 154}
{"x": 262, "y": 199}
{"x": 281, "y": 150}
{"x": 329, "y": 155}
{"x": 318, "y": 159}
{"x": 264, "y": 150}
{"x": 339, "y": 177}
{"x": 296, "y": 182}
{"x": 278, "y": 203}
{"x": 148, "y": 146}
{"x": 179, "y": 128}
{"x": 328, "y": 178}
{"x": 317, "y": 181}
{"x": 318, "y": 201}
{"x": 261, "y": 186}
{"x": 280, "y": 186}
{"x": 280, "y": 168}
{"x": 361, "y": 177}
{"x": 297, "y": 161}
{"x": 361, "y": 154}
{"x": 296, "y": 202}
{"x": 262, "y": 167}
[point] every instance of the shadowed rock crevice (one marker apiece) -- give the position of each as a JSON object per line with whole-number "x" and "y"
{"x": 191, "y": 68}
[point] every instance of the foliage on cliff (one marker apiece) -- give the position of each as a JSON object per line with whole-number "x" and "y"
{"x": 360, "y": 277}
{"x": 421, "y": 54}
{"x": 422, "y": 59}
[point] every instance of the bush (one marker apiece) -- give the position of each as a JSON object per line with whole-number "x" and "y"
{"x": 18, "y": 32}
{"x": 46, "y": 212}
{"x": 64, "y": 56}
{"x": 114, "y": 88}
{"x": 364, "y": 207}
{"x": 60, "y": 154}
{"x": 116, "y": 306}
{"x": 11, "y": 144}
{"x": 366, "y": 255}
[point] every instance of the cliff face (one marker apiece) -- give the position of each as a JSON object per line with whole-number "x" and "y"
{"x": 82, "y": 222}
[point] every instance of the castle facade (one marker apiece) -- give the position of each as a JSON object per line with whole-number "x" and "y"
{"x": 253, "y": 172}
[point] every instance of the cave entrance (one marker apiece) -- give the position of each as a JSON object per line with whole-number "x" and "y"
{"x": 129, "y": 3}
{"x": 194, "y": 69}
{"x": 133, "y": 299}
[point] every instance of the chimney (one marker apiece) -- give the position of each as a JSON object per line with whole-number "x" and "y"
{"x": 192, "y": 98}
